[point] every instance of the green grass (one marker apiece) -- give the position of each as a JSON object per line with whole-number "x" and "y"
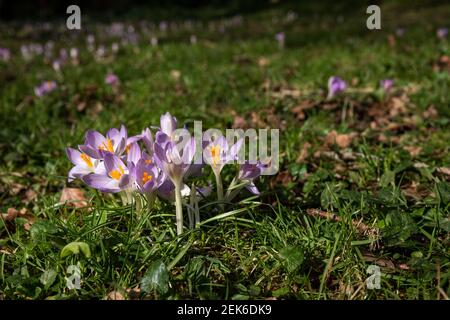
{"x": 271, "y": 246}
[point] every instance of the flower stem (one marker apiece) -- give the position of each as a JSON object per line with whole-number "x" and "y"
{"x": 219, "y": 187}
{"x": 178, "y": 208}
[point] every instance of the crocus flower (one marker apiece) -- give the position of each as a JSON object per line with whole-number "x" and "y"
{"x": 217, "y": 154}
{"x": 280, "y": 37}
{"x": 74, "y": 53}
{"x": 335, "y": 86}
{"x": 168, "y": 126}
{"x": 249, "y": 172}
{"x": 148, "y": 176}
{"x": 97, "y": 145}
{"x": 84, "y": 164}
{"x": 442, "y": 33}
{"x": 111, "y": 79}
{"x": 115, "y": 178}
{"x": 386, "y": 84}
{"x": 175, "y": 159}
{"x": 5, "y": 54}
{"x": 400, "y": 32}
{"x": 45, "y": 88}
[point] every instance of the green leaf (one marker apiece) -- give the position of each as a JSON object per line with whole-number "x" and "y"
{"x": 280, "y": 292}
{"x": 292, "y": 257}
{"x": 48, "y": 277}
{"x": 41, "y": 228}
{"x": 443, "y": 192}
{"x": 156, "y": 278}
{"x": 387, "y": 178}
{"x": 75, "y": 248}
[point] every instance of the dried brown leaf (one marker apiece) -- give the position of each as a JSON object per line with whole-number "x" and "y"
{"x": 73, "y": 197}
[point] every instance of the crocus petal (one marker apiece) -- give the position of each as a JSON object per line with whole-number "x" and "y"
{"x": 234, "y": 150}
{"x": 74, "y": 156}
{"x": 101, "y": 182}
{"x": 168, "y": 123}
{"x": 167, "y": 190}
{"x": 252, "y": 188}
{"x": 78, "y": 172}
{"x": 90, "y": 151}
{"x": 125, "y": 181}
{"x": 134, "y": 153}
{"x": 113, "y": 162}
{"x": 94, "y": 139}
{"x": 147, "y": 138}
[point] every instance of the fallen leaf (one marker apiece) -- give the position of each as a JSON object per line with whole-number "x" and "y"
{"x": 303, "y": 152}
{"x": 414, "y": 151}
{"x": 444, "y": 170}
{"x": 430, "y": 113}
{"x": 13, "y": 213}
{"x": 30, "y": 195}
{"x": 17, "y": 188}
{"x": 342, "y": 140}
{"x": 115, "y": 295}
{"x": 73, "y": 197}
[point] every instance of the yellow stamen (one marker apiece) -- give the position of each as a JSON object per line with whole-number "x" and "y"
{"x": 87, "y": 160}
{"x": 117, "y": 174}
{"x": 107, "y": 145}
{"x": 127, "y": 148}
{"x": 146, "y": 177}
{"x": 148, "y": 161}
{"x": 215, "y": 154}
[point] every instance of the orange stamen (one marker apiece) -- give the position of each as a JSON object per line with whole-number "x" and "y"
{"x": 87, "y": 160}
{"x": 107, "y": 145}
{"x": 117, "y": 174}
{"x": 146, "y": 177}
{"x": 215, "y": 154}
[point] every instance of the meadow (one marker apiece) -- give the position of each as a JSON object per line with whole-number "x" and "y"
{"x": 364, "y": 176}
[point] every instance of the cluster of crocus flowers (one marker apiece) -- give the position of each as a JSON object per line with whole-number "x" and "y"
{"x": 337, "y": 85}
{"x": 157, "y": 165}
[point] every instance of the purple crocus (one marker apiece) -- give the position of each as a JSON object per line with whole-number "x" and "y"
{"x": 218, "y": 153}
{"x": 400, "y": 32}
{"x": 168, "y": 126}
{"x": 175, "y": 158}
{"x": 148, "y": 176}
{"x": 387, "y": 84}
{"x": 112, "y": 80}
{"x": 97, "y": 145}
{"x": 249, "y": 172}
{"x": 116, "y": 177}
{"x": 335, "y": 86}
{"x": 84, "y": 164}
{"x": 442, "y": 33}
{"x": 45, "y": 88}
{"x": 5, "y": 54}
{"x": 281, "y": 38}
